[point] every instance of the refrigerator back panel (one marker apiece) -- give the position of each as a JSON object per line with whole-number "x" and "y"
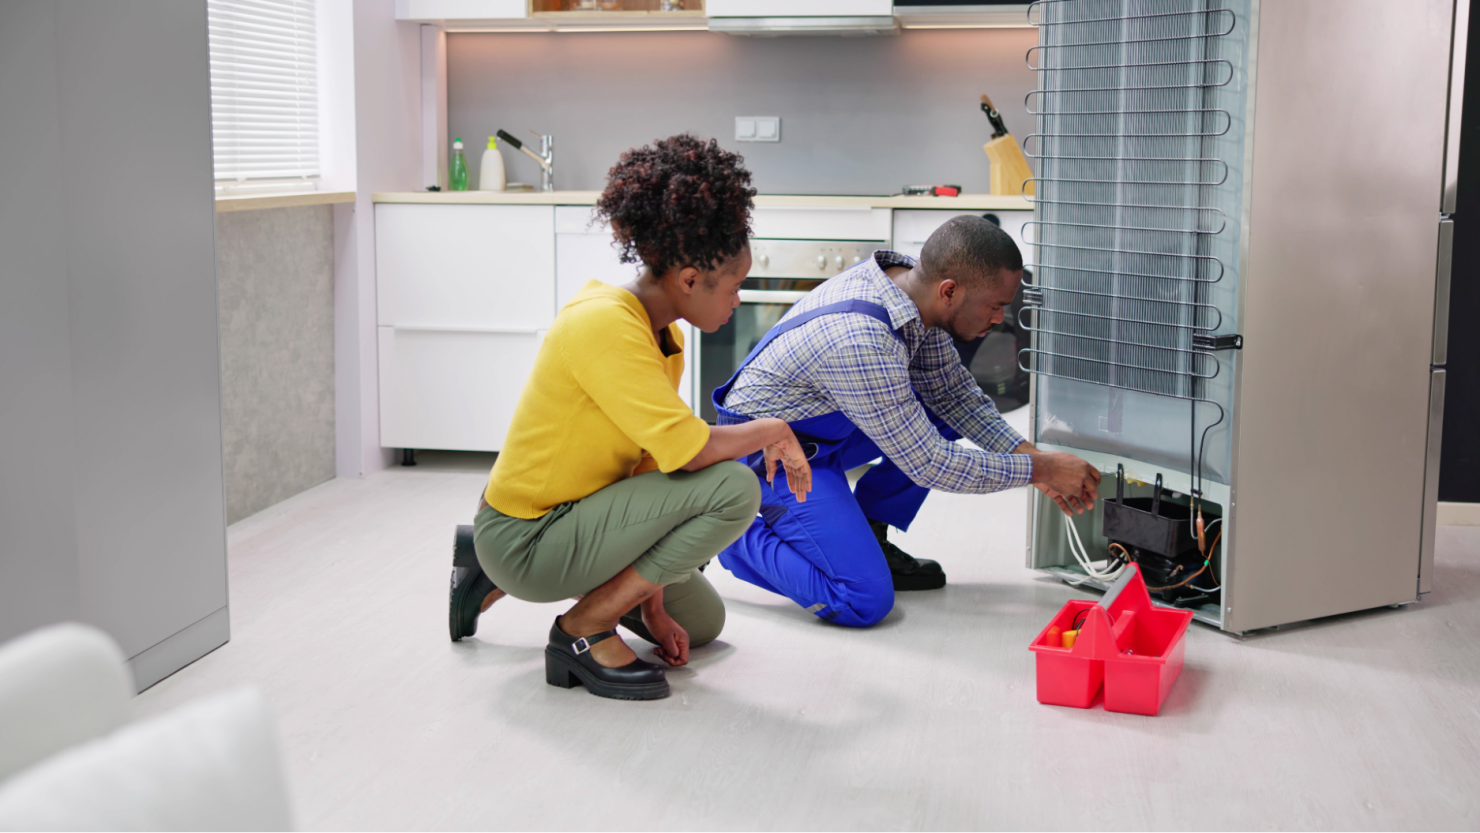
{"x": 1139, "y": 147}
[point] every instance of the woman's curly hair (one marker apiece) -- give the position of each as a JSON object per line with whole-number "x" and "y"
{"x": 680, "y": 202}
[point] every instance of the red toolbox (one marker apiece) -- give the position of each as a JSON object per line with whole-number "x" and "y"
{"x": 1123, "y": 643}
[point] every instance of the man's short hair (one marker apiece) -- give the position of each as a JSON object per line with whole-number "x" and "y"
{"x": 971, "y": 251}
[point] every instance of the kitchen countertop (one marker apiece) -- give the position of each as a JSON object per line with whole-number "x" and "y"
{"x": 965, "y": 202}
{"x": 254, "y": 201}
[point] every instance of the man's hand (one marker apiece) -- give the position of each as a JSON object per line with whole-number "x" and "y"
{"x": 673, "y": 640}
{"x": 789, "y": 453}
{"x": 1058, "y": 498}
{"x": 1069, "y": 481}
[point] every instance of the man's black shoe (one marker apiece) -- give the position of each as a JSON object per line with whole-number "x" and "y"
{"x": 909, "y": 572}
{"x": 469, "y": 586}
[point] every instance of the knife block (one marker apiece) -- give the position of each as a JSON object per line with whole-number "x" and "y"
{"x": 1010, "y": 169}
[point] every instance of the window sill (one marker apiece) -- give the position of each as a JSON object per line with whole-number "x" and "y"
{"x": 255, "y": 201}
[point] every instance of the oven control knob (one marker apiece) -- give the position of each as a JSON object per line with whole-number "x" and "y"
{"x": 838, "y": 261}
{"x": 765, "y": 260}
{"x": 822, "y": 261}
{"x": 857, "y": 260}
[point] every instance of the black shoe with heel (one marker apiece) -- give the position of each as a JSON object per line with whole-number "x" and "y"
{"x": 568, "y": 661}
{"x": 470, "y": 585}
{"x": 909, "y": 572}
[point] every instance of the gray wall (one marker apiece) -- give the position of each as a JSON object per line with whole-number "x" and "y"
{"x": 111, "y": 505}
{"x": 858, "y": 115}
{"x": 275, "y": 269}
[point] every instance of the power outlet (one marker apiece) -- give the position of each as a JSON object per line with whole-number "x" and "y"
{"x": 757, "y": 128}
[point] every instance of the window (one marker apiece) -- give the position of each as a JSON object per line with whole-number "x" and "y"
{"x": 264, "y": 94}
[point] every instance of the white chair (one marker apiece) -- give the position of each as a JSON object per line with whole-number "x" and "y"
{"x": 68, "y": 762}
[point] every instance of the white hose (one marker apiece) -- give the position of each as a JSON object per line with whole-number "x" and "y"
{"x": 1076, "y": 546}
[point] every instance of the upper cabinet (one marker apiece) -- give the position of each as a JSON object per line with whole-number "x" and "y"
{"x": 800, "y": 8}
{"x": 739, "y": 17}
{"x": 436, "y": 11}
{"x": 617, "y": 15}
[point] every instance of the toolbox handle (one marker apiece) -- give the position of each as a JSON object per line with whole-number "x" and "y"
{"x": 1156, "y": 501}
{"x": 1119, "y": 482}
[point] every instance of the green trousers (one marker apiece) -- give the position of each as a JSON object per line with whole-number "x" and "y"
{"x": 663, "y": 525}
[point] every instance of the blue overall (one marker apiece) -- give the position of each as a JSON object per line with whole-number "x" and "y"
{"x": 822, "y": 554}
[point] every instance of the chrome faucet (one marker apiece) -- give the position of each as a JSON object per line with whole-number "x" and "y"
{"x": 545, "y": 158}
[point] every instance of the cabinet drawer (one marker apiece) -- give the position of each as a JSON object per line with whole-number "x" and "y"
{"x": 451, "y": 390}
{"x": 473, "y": 266}
{"x": 582, "y": 257}
{"x": 579, "y": 219}
{"x": 798, "y": 223}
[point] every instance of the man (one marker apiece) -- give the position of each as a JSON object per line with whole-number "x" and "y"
{"x": 865, "y": 367}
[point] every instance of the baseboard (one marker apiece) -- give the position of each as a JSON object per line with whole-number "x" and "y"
{"x": 165, "y": 658}
{"x": 1458, "y": 514}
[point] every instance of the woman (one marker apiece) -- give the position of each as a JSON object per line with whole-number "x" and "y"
{"x": 608, "y": 487}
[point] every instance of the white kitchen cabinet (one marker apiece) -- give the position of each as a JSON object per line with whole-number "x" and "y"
{"x": 451, "y": 390}
{"x": 819, "y": 223}
{"x": 464, "y": 295}
{"x": 584, "y": 251}
{"x": 797, "y": 8}
{"x": 465, "y": 266}
{"x": 912, "y": 227}
{"x": 436, "y": 11}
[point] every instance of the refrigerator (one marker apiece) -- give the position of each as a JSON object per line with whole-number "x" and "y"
{"x": 1241, "y": 250}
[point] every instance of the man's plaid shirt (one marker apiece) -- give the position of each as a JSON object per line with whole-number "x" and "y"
{"x": 853, "y": 364}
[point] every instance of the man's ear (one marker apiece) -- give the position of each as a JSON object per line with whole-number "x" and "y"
{"x": 949, "y": 291}
{"x": 688, "y": 278}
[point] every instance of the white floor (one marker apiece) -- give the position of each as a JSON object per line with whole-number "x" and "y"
{"x": 928, "y": 721}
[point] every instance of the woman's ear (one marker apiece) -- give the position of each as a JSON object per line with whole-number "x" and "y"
{"x": 688, "y": 278}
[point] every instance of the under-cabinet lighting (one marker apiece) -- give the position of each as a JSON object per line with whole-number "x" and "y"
{"x": 639, "y": 29}
{"x": 596, "y": 29}
{"x": 967, "y": 26}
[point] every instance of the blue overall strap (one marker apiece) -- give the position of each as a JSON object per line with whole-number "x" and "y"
{"x": 861, "y": 307}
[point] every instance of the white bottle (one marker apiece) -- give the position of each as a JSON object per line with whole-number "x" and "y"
{"x": 491, "y": 170}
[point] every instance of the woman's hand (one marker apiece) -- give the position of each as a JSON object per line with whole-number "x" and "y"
{"x": 798, "y": 471}
{"x": 673, "y": 640}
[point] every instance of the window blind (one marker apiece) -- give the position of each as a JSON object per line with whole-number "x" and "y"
{"x": 264, "y": 90}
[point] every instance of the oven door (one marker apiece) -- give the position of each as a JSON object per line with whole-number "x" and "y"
{"x": 762, "y": 303}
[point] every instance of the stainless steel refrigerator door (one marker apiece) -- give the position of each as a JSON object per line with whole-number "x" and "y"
{"x": 1331, "y": 425}
{"x": 1458, "y": 48}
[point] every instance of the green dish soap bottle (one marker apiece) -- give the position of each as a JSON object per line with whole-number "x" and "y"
{"x": 457, "y": 178}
